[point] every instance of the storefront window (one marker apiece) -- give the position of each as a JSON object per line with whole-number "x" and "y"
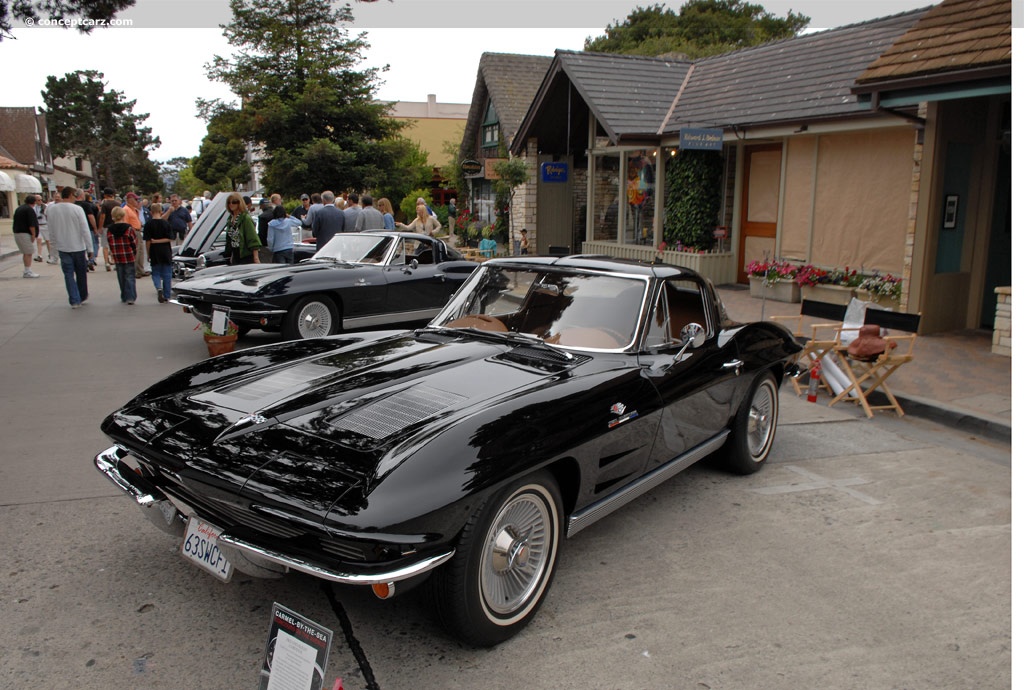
{"x": 483, "y": 201}
{"x": 639, "y": 197}
{"x": 606, "y": 197}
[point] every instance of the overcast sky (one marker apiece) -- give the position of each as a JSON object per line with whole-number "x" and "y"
{"x": 432, "y": 47}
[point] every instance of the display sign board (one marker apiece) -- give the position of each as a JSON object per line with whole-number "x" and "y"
{"x": 554, "y": 172}
{"x": 701, "y": 139}
{"x": 490, "y": 173}
{"x": 296, "y": 652}
{"x": 471, "y": 167}
{"x": 219, "y": 319}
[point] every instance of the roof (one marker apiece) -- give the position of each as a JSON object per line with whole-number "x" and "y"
{"x": 629, "y": 94}
{"x": 955, "y": 35}
{"x": 510, "y": 83}
{"x": 804, "y": 78}
{"x": 20, "y": 130}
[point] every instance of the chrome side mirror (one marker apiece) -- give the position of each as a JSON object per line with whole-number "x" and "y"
{"x": 693, "y": 335}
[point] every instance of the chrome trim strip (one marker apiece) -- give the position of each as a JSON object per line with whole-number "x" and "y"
{"x": 382, "y": 319}
{"x": 157, "y": 508}
{"x": 303, "y": 566}
{"x": 591, "y": 514}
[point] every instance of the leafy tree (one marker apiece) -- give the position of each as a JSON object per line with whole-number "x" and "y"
{"x": 693, "y": 183}
{"x": 701, "y": 28}
{"x": 408, "y": 204}
{"x": 304, "y": 103}
{"x": 86, "y": 120}
{"x": 29, "y": 11}
{"x": 511, "y": 174}
{"x": 221, "y": 163}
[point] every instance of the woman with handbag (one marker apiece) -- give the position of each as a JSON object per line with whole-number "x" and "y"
{"x": 243, "y": 245}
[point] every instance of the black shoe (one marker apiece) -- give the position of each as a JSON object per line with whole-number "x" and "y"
{"x": 160, "y": 297}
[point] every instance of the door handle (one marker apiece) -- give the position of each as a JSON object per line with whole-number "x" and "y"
{"x": 735, "y": 365}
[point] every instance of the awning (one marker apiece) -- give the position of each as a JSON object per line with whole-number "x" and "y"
{"x": 28, "y": 185}
{"x": 6, "y": 183}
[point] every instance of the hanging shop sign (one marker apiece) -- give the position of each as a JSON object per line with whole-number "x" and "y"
{"x": 554, "y": 172}
{"x": 701, "y": 139}
{"x": 471, "y": 166}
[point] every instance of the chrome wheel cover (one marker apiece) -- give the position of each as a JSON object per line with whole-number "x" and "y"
{"x": 314, "y": 320}
{"x": 515, "y": 562}
{"x": 761, "y": 420}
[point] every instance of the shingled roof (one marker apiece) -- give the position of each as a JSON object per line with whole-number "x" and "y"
{"x": 793, "y": 80}
{"x": 958, "y": 35}
{"x": 510, "y": 83}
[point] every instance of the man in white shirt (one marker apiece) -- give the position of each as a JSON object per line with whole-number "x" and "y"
{"x": 69, "y": 234}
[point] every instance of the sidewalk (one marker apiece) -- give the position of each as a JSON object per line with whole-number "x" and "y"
{"x": 954, "y": 378}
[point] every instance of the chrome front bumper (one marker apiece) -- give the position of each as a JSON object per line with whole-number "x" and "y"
{"x": 250, "y": 558}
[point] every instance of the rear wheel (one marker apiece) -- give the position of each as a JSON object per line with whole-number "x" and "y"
{"x": 753, "y": 431}
{"x": 314, "y": 316}
{"x": 503, "y": 564}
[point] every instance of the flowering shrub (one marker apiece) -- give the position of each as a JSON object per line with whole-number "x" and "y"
{"x": 772, "y": 271}
{"x": 207, "y": 327}
{"x": 812, "y": 275}
{"x": 883, "y": 286}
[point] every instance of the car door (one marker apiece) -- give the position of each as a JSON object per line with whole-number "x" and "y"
{"x": 415, "y": 281}
{"x": 696, "y": 388}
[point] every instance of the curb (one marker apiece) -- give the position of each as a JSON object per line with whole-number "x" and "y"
{"x": 956, "y": 417}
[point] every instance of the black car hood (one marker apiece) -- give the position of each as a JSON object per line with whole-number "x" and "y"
{"x": 331, "y": 419}
{"x": 250, "y": 279}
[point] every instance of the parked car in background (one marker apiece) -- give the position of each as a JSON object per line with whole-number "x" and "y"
{"x": 357, "y": 280}
{"x": 549, "y": 392}
{"x": 204, "y": 245}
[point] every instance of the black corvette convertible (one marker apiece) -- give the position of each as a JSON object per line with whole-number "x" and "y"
{"x": 548, "y": 393}
{"x": 357, "y": 280}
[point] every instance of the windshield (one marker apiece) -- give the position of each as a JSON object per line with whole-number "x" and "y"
{"x": 572, "y": 309}
{"x": 357, "y": 248}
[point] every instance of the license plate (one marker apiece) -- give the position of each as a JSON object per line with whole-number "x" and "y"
{"x": 200, "y": 547}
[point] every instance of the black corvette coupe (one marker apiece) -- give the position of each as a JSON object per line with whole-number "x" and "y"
{"x": 548, "y": 393}
{"x": 357, "y": 280}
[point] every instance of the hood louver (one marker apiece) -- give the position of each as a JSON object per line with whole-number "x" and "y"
{"x": 388, "y": 416}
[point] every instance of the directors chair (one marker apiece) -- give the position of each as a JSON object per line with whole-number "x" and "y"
{"x": 816, "y": 339}
{"x": 868, "y": 374}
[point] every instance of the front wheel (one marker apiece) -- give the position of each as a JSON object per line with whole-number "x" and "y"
{"x": 503, "y": 564}
{"x": 314, "y": 316}
{"x": 753, "y": 431}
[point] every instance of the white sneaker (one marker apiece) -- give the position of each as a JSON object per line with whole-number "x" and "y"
{"x": 51, "y": 260}
{"x": 29, "y": 273}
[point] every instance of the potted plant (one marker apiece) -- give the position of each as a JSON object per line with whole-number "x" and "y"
{"x": 835, "y": 285}
{"x": 216, "y": 343}
{"x": 774, "y": 280}
{"x": 885, "y": 290}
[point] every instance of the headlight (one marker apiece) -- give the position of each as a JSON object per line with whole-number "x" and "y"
{"x": 201, "y": 262}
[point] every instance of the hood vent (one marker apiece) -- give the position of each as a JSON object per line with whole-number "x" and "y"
{"x": 388, "y": 416}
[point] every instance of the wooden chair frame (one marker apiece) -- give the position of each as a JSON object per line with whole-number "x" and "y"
{"x": 868, "y": 376}
{"x": 812, "y": 337}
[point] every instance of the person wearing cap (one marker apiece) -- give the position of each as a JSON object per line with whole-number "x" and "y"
{"x": 302, "y": 209}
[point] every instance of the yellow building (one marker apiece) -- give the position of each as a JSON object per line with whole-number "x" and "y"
{"x": 432, "y": 124}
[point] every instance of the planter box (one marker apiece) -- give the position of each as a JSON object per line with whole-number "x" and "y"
{"x": 882, "y": 301}
{"x": 833, "y": 294}
{"x": 781, "y": 291}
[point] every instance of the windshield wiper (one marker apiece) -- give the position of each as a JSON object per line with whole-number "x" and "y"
{"x": 536, "y": 340}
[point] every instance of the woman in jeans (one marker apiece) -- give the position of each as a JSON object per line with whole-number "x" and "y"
{"x": 158, "y": 234}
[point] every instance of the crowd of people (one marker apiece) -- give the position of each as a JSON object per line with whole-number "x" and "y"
{"x": 136, "y": 235}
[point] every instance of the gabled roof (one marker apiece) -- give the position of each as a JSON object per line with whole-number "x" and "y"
{"x": 958, "y": 35}
{"x": 628, "y": 94}
{"x": 799, "y": 79}
{"x": 510, "y": 83}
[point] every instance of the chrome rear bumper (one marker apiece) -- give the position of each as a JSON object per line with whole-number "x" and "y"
{"x": 250, "y": 558}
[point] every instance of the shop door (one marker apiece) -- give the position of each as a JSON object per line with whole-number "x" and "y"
{"x": 554, "y": 206}
{"x": 761, "y": 180}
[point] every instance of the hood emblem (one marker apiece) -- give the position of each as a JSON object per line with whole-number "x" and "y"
{"x": 250, "y": 419}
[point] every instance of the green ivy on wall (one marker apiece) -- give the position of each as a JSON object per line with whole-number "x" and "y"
{"x": 693, "y": 198}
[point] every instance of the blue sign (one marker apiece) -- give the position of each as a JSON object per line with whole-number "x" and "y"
{"x": 554, "y": 172}
{"x": 701, "y": 139}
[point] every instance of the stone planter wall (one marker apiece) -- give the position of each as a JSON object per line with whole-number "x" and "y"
{"x": 884, "y": 302}
{"x": 833, "y": 294}
{"x": 1001, "y": 340}
{"x": 780, "y": 291}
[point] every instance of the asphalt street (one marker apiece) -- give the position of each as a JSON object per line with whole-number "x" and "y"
{"x": 866, "y": 554}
